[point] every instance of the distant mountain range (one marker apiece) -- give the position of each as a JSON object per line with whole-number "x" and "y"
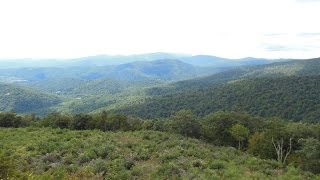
{"x": 107, "y": 60}
{"x": 164, "y": 69}
{"x": 156, "y": 85}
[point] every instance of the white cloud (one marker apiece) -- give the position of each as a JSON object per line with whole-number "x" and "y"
{"x": 229, "y": 28}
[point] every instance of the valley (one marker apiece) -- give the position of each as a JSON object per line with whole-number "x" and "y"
{"x": 140, "y": 88}
{"x": 193, "y": 117}
{"x": 85, "y": 82}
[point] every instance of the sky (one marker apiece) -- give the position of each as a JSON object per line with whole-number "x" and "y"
{"x": 225, "y": 28}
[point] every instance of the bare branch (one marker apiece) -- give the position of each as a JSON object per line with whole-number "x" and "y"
{"x": 288, "y": 151}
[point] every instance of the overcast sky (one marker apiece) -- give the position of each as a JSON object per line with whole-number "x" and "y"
{"x": 227, "y": 28}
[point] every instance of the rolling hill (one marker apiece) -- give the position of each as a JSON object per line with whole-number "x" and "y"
{"x": 294, "y": 98}
{"x": 309, "y": 67}
{"x": 21, "y": 99}
{"x": 139, "y": 87}
{"x": 164, "y": 69}
{"x": 289, "y": 90}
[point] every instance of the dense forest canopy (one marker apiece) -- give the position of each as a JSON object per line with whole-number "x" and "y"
{"x": 293, "y": 97}
{"x": 93, "y": 88}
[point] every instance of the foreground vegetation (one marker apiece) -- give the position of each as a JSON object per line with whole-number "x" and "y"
{"x": 229, "y": 145}
{"x": 47, "y": 153}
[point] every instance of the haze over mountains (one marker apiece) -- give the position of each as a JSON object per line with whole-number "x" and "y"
{"x": 106, "y": 60}
{"x": 139, "y": 83}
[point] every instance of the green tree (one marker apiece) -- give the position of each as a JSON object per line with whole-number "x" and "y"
{"x": 118, "y": 122}
{"x": 80, "y": 121}
{"x": 280, "y": 138}
{"x": 9, "y": 119}
{"x": 100, "y": 121}
{"x": 215, "y": 128}
{"x": 261, "y": 146}
{"x": 185, "y": 123}
{"x": 310, "y": 155}
{"x": 240, "y": 133}
{"x": 275, "y": 142}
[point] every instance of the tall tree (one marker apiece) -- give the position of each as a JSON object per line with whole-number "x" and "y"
{"x": 185, "y": 123}
{"x": 240, "y": 133}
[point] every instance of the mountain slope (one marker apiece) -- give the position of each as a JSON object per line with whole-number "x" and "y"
{"x": 289, "y": 90}
{"x": 308, "y": 67}
{"x": 22, "y": 99}
{"x": 287, "y": 97}
{"x": 165, "y": 69}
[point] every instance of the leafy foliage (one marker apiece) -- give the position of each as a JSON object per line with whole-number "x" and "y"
{"x": 310, "y": 155}
{"x": 256, "y": 135}
{"x": 240, "y": 133}
{"x": 184, "y": 122}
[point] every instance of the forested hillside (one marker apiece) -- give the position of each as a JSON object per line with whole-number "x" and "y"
{"x": 86, "y": 89}
{"x": 146, "y": 89}
{"x": 288, "y": 89}
{"x": 290, "y": 97}
{"x": 21, "y": 99}
{"x": 308, "y": 67}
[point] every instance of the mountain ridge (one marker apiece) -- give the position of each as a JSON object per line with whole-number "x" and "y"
{"x": 104, "y": 60}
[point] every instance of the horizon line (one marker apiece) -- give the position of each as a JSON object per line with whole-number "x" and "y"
{"x": 137, "y": 54}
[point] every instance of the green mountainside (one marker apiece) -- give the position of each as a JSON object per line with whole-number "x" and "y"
{"x": 21, "y": 99}
{"x": 151, "y": 89}
{"x": 86, "y": 89}
{"x": 289, "y": 90}
{"x": 308, "y": 67}
{"x": 290, "y": 97}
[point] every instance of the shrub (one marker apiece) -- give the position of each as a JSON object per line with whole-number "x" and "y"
{"x": 9, "y": 119}
{"x": 217, "y": 165}
{"x": 6, "y": 167}
{"x": 129, "y": 164}
{"x": 99, "y": 166}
